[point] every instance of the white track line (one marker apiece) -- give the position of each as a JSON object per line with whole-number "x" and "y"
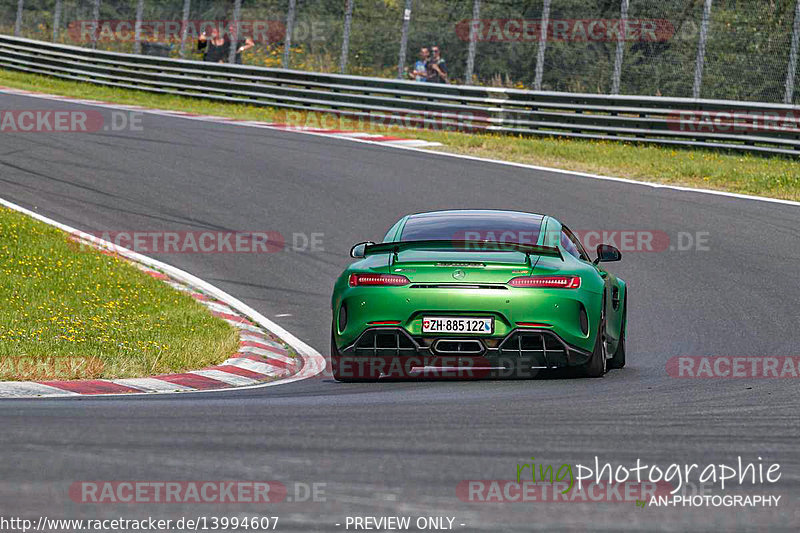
{"x": 313, "y": 361}
{"x": 411, "y": 143}
{"x": 20, "y": 92}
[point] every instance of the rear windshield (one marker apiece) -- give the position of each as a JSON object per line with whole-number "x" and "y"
{"x": 513, "y": 227}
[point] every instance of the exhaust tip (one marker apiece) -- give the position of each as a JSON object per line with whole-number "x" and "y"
{"x": 458, "y": 347}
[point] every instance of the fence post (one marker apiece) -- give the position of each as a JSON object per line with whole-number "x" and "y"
{"x": 95, "y": 22}
{"x": 187, "y": 6}
{"x": 56, "y": 19}
{"x": 792, "y": 70}
{"x": 137, "y": 28}
{"x": 537, "y": 82}
{"x": 473, "y": 41}
{"x": 348, "y": 21}
{"x": 289, "y": 29}
{"x": 234, "y": 39}
{"x": 623, "y": 23}
{"x": 401, "y": 61}
{"x": 701, "y": 50}
{"x": 18, "y": 23}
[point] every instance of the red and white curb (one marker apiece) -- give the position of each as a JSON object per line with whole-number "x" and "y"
{"x": 343, "y": 134}
{"x": 263, "y": 358}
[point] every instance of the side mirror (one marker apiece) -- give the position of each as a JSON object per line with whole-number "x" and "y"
{"x": 357, "y": 251}
{"x": 607, "y": 253}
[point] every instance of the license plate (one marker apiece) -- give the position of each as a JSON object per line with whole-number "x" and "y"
{"x": 451, "y": 324}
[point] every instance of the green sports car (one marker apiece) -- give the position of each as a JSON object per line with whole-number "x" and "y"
{"x": 476, "y": 293}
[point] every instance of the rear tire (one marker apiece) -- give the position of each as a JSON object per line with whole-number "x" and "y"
{"x": 618, "y": 361}
{"x": 595, "y": 367}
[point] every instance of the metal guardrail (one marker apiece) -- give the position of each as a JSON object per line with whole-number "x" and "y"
{"x": 718, "y": 124}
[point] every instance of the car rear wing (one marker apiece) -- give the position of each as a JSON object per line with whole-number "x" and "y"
{"x": 462, "y": 245}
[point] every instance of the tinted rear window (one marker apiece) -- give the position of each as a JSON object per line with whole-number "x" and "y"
{"x": 493, "y": 226}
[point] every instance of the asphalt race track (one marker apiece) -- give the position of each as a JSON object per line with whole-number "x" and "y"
{"x": 398, "y": 448}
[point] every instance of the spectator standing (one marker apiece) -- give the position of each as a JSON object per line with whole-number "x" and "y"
{"x": 437, "y": 67}
{"x": 420, "y": 72}
{"x": 241, "y": 44}
{"x": 213, "y": 46}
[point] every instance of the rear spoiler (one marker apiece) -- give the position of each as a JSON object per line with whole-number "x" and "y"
{"x": 462, "y": 245}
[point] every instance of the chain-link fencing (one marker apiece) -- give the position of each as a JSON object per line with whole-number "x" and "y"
{"x": 720, "y": 49}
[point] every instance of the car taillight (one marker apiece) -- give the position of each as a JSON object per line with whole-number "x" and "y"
{"x": 391, "y": 280}
{"x": 547, "y": 282}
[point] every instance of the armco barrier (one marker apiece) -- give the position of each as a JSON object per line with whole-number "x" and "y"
{"x": 719, "y": 124}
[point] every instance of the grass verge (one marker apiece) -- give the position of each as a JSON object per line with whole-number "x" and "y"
{"x": 72, "y": 312}
{"x": 772, "y": 176}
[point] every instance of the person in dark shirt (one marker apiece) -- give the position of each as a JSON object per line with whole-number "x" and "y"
{"x": 437, "y": 68}
{"x": 241, "y": 44}
{"x": 213, "y": 46}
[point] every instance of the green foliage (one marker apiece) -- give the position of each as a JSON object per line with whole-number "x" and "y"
{"x": 777, "y": 177}
{"x": 61, "y": 299}
{"x": 746, "y": 54}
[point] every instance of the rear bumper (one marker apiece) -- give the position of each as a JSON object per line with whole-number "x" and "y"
{"x": 509, "y": 307}
{"x": 393, "y": 351}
